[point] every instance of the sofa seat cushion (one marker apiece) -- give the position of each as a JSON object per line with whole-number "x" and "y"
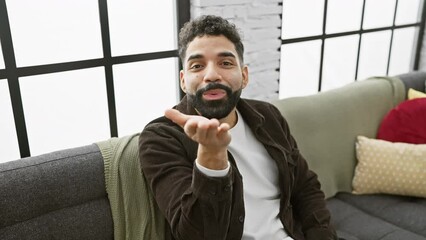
{"x": 378, "y": 216}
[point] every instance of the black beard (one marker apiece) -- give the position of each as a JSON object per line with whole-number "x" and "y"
{"x": 217, "y": 109}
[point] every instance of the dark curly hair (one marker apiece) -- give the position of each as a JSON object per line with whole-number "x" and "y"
{"x": 209, "y": 25}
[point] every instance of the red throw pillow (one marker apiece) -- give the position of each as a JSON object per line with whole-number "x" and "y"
{"x": 405, "y": 123}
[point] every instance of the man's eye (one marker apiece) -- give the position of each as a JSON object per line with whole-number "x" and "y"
{"x": 226, "y": 63}
{"x": 196, "y": 66}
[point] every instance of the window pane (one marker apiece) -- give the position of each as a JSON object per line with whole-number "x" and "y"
{"x": 339, "y": 61}
{"x": 143, "y": 91}
{"x": 409, "y": 11}
{"x": 8, "y": 139}
{"x": 134, "y": 26}
{"x": 374, "y": 54}
{"x": 64, "y": 110}
{"x": 50, "y": 31}
{"x": 299, "y": 68}
{"x": 402, "y": 50}
{"x": 300, "y": 20}
{"x": 343, "y": 16}
{"x": 2, "y": 66}
{"x": 378, "y": 13}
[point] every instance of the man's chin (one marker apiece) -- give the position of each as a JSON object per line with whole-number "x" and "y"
{"x": 215, "y": 102}
{"x": 210, "y": 113}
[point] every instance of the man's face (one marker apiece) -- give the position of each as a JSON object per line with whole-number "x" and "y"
{"x": 213, "y": 77}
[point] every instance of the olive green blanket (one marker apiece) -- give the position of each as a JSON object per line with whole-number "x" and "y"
{"x": 134, "y": 211}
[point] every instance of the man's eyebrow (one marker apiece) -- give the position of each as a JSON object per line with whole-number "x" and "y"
{"x": 195, "y": 56}
{"x": 221, "y": 54}
{"x": 226, "y": 54}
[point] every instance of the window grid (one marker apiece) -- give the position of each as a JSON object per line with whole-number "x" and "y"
{"x": 12, "y": 73}
{"x": 420, "y": 25}
{"x": 391, "y": 40}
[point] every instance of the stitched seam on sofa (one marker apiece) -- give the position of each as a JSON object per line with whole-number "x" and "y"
{"x": 386, "y": 234}
{"x": 348, "y": 231}
{"x": 415, "y": 233}
{"x": 49, "y": 212}
{"x": 53, "y": 160}
{"x": 337, "y": 224}
{"x": 393, "y": 87}
{"x": 385, "y": 220}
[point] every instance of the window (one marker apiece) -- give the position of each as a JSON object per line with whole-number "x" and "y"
{"x": 333, "y": 42}
{"x": 77, "y": 72}
{"x": 8, "y": 138}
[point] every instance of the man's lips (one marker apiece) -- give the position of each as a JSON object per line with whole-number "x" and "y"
{"x": 214, "y": 94}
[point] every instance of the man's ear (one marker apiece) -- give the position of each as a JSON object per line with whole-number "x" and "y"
{"x": 245, "y": 75}
{"x": 182, "y": 81}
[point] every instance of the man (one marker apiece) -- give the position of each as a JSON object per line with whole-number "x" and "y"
{"x": 221, "y": 167}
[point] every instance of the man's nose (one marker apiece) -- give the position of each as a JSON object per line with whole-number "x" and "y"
{"x": 212, "y": 74}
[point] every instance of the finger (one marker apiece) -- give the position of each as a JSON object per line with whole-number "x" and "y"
{"x": 190, "y": 127}
{"x": 223, "y": 133}
{"x": 208, "y": 129}
{"x": 224, "y": 127}
{"x": 176, "y": 116}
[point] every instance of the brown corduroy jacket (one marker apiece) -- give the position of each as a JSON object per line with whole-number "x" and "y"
{"x": 200, "y": 207}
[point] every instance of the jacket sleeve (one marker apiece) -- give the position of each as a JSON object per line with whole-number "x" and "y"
{"x": 307, "y": 199}
{"x": 196, "y": 206}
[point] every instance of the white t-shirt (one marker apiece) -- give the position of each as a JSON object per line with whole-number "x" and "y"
{"x": 260, "y": 182}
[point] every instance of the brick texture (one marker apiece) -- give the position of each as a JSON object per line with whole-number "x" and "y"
{"x": 260, "y": 22}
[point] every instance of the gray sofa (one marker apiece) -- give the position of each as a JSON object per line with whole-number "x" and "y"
{"x": 326, "y": 125}
{"x": 62, "y": 195}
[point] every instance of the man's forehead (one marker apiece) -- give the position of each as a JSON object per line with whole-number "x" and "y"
{"x": 210, "y": 44}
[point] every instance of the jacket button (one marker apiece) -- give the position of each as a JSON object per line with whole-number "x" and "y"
{"x": 227, "y": 188}
{"x": 241, "y": 219}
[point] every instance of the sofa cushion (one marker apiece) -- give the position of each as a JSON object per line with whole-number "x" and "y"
{"x": 61, "y": 188}
{"x": 378, "y": 216}
{"x": 405, "y": 123}
{"x": 386, "y": 167}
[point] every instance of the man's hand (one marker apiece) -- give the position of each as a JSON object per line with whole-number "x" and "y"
{"x": 212, "y": 136}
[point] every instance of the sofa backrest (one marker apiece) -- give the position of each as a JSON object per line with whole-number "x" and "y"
{"x": 325, "y": 125}
{"x": 60, "y": 195}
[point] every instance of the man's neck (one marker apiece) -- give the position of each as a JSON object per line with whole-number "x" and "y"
{"x": 231, "y": 119}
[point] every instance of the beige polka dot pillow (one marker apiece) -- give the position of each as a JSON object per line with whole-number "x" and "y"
{"x": 393, "y": 168}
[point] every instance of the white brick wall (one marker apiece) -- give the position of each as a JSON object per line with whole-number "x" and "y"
{"x": 260, "y": 24}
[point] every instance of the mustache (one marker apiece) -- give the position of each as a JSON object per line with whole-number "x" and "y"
{"x": 211, "y": 86}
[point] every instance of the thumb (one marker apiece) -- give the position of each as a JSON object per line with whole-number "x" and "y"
{"x": 176, "y": 116}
